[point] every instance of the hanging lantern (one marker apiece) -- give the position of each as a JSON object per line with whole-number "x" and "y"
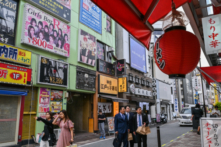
{"x": 176, "y": 52}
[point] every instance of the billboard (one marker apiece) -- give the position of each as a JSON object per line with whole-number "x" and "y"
{"x": 87, "y": 48}
{"x": 52, "y": 72}
{"x": 14, "y": 54}
{"x": 8, "y": 14}
{"x": 91, "y": 15}
{"x": 60, "y": 8}
{"x": 45, "y": 32}
{"x": 14, "y": 74}
{"x": 137, "y": 56}
{"x": 107, "y": 85}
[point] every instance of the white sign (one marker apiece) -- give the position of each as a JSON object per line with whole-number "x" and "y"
{"x": 142, "y": 92}
{"x": 138, "y": 91}
{"x": 105, "y": 107}
{"x": 132, "y": 88}
{"x": 212, "y": 33}
{"x": 196, "y": 82}
{"x": 210, "y": 132}
{"x": 176, "y": 105}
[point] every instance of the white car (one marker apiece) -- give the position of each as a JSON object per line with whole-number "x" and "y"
{"x": 185, "y": 116}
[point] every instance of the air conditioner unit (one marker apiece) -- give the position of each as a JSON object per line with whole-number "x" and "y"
{"x": 216, "y": 3}
{"x": 57, "y": 133}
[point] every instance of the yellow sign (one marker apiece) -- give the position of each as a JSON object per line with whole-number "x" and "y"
{"x": 107, "y": 85}
{"x": 14, "y": 74}
{"x": 216, "y": 94}
{"x": 115, "y": 108}
{"x": 122, "y": 84}
{"x": 14, "y": 54}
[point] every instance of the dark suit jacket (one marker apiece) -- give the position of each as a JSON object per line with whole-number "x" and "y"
{"x": 121, "y": 125}
{"x": 144, "y": 119}
{"x": 130, "y": 121}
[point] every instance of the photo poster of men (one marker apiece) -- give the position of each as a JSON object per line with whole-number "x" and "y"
{"x": 55, "y": 107}
{"x": 8, "y": 13}
{"x": 87, "y": 48}
{"x": 53, "y": 72}
{"x": 56, "y": 95}
{"x": 45, "y": 32}
{"x": 44, "y": 100}
{"x": 105, "y": 107}
{"x": 110, "y": 122}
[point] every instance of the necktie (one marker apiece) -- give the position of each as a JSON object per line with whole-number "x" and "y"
{"x": 139, "y": 121}
{"x": 123, "y": 116}
{"x": 128, "y": 116}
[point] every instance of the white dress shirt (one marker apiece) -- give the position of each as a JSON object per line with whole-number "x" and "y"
{"x": 128, "y": 115}
{"x": 139, "y": 115}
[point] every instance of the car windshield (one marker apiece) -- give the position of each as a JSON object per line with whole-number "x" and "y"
{"x": 186, "y": 111}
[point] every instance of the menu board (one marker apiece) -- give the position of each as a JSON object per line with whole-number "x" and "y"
{"x": 110, "y": 122}
{"x": 105, "y": 67}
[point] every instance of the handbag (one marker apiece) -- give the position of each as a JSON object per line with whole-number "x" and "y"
{"x": 143, "y": 130}
{"x": 130, "y": 136}
{"x": 39, "y": 137}
{"x": 115, "y": 142}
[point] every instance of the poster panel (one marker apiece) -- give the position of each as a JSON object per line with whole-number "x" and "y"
{"x": 56, "y": 95}
{"x": 100, "y": 51}
{"x": 8, "y": 14}
{"x": 42, "y": 115}
{"x": 14, "y": 74}
{"x": 105, "y": 107}
{"x": 106, "y": 67}
{"x": 43, "y": 108}
{"x": 52, "y": 72}
{"x": 110, "y": 122}
{"x": 55, "y": 107}
{"x": 87, "y": 48}
{"x": 44, "y": 96}
{"x": 60, "y": 8}
{"x": 91, "y": 15}
{"x": 45, "y": 32}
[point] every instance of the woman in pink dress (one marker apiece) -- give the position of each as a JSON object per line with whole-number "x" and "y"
{"x": 66, "y": 126}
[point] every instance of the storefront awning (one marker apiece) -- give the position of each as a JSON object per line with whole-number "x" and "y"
{"x": 115, "y": 99}
{"x": 211, "y": 74}
{"x": 137, "y": 16}
{"x": 12, "y": 91}
{"x": 140, "y": 99}
{"x": 165, "y": 102}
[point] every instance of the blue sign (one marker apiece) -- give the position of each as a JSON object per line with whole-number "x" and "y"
{"x": 91, "y": 15}
{"x": 137, "y": 56}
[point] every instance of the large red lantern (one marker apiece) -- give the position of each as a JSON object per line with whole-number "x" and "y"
{"x": 177, "y": 52}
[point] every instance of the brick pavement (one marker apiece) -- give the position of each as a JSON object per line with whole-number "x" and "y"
{"x": 190, "y": 139}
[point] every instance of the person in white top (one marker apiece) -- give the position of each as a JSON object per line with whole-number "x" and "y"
{"x": 216, "y": 111}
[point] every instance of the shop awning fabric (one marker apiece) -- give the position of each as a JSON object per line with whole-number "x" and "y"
{"x": 115, "y": 99}
{"x": 137, "y": 16}
{"x": 13, "y": 91}
{"x": 211, "y": 73}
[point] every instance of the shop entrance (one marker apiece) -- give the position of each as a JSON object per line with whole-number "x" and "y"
{"x": 9, "y": 119}
{"x": 79, "y": 110}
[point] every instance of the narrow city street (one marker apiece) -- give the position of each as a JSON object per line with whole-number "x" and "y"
{"x": 169, "y": 133}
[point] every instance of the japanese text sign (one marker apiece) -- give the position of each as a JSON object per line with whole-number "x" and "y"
{"x": 14, "y": 54}
{"x": 115, "y": 108}
{"x": 210, "y": 132}
{"x": 45, "y": 32}
{"x": 14, "y": 74}
{"x": 212, "y": 33}
{"x": 122, "y": 84}
{"x": 107, "y": 85}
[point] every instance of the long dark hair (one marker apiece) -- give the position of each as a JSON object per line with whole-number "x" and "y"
{"x": 51, "y": 114}
{"x": 65, "y": 114}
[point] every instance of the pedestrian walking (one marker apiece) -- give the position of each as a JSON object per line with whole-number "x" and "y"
{"x": 67, "y": 135}
{"x": 140, "y": 119}
{"x": 121, "y": 127}
{"x": 101, "y": 121}
{"x": 49, "y": 138}
{"x": 216, "y": 112}
{"x": 197, "y": 114}
{"x": 130, "y": 123}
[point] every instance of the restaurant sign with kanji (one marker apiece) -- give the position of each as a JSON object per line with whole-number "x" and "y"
{"x": 212, "y": 33}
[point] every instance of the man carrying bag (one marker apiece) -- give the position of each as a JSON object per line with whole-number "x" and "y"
{"x": 140, "y": 122}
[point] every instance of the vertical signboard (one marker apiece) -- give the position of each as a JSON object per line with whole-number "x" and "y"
{"x": 212, "y": 33}
{"x": 115, "y": 108}
{"x": 216, "y": 94}
{"x": 45, "y": 32}
{"x": 44, "y": 100}
{"x": 121, "y": 67}
{"x": 8, "y": 14}
{"x": 122, "y": 84}
{"x": 91, "y": 15}
{"x": 176, "y": 105}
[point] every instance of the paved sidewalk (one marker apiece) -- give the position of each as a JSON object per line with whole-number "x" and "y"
{"x": 190, "y": 139}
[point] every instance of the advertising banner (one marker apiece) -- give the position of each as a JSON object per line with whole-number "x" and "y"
{"x": 115, "y": 108}
{"x": 55, "y": 107}
{"x": 8, "y": 14}
{"x": 85, "y": 79}
{"x": 100, "y": 51}
{"x": 87, "y": 48}
{"x": 14, "y": 74}
{"x": 121, "y": 67}
{"x": 107, "y": 85}
{"x": 56, "y": 95}
{"x": 91, "y": 15}
{"x": 14, "y": 54}
{"x": 60, "y": 8}
{"x": 137, "y": 56}
{"x": 52, "y": 72}
{"x": 110, "y": 122}
{"x": 122, "y": 84}
{"x": 44, "y": 100}
{"x": 105, "y": 67}
{"x": 105, "y": 107}
{"x": 45, "y": 32}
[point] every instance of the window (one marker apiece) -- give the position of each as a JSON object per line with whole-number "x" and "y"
{"x": 171, "y": 90}
{"x": 100, "y": 51}
{"x": 108, "y": 23}
{"x": 182, "y": 92}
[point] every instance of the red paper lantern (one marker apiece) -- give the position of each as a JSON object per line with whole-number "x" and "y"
{"x": 177, "y": 52}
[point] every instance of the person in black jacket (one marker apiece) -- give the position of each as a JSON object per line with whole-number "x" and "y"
{"x": 48, "y": 138}
{"x": 130, "y": 122}
{"x": 140, "y": 119}
{"x": 197, "y": 114}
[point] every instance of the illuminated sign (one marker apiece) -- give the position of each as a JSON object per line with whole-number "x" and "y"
{"x": 122, "y": 84}
{"x": 14, "y": 74}
{"x": 115, "y": 108}
{"x": 14, "y": 54}
{"x": 107, "y": 85}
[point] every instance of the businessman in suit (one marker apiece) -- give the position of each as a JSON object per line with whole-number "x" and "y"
{"x": 130, "y": 122}
{"x": 140, "y": 119}
{"x": 121, "y": 127}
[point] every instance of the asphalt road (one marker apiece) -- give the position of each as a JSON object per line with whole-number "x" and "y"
{"x": 169, "y": 132}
